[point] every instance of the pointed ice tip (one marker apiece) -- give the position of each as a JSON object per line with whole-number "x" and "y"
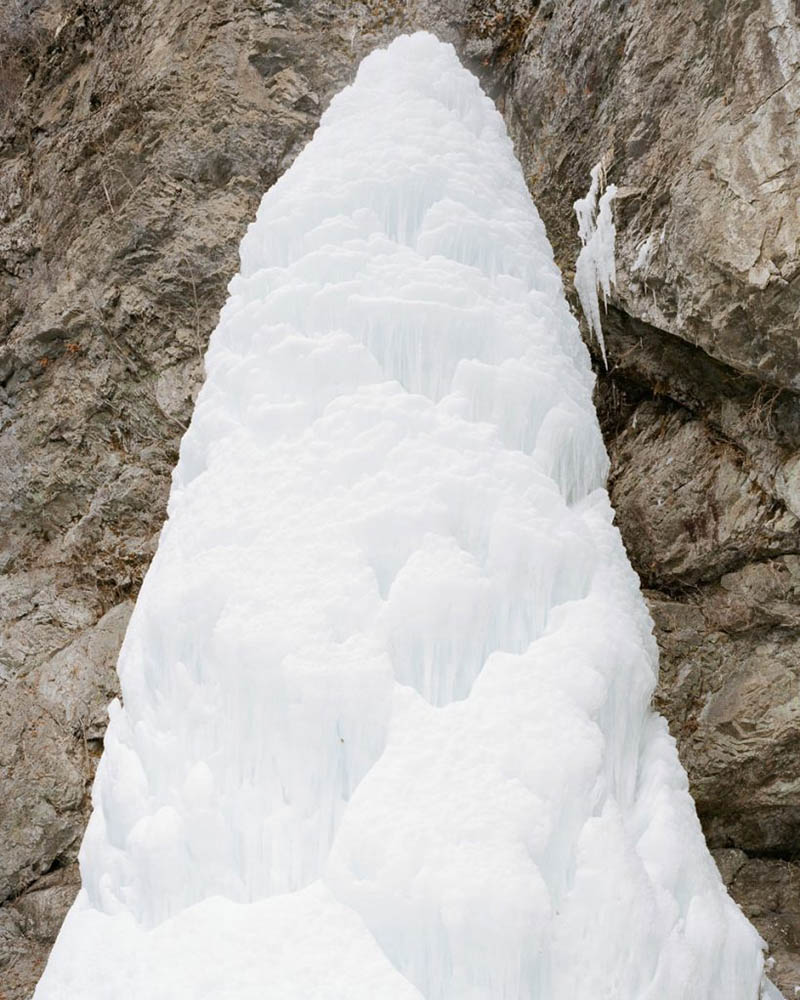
{"x": 421, "y": 52}
{"x": 415, "y": 152}
{"x": 415, "y": 45}
{"x": 417, "y": 63}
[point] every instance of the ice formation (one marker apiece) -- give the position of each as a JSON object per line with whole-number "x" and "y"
{"x": 596, "y": 267}
{"x": 386, "y": 731}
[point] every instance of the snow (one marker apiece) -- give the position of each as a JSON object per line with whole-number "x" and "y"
{"x": 596, "y": 266}
{"x": 386, "y": 728}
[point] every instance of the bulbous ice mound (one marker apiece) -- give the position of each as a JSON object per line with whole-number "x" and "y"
{"x": 386, "y": 729}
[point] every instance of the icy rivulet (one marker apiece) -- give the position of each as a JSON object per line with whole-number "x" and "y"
{"x": 386, "y": 728}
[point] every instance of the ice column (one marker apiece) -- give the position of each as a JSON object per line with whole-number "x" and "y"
{"x": 386, "y": 728}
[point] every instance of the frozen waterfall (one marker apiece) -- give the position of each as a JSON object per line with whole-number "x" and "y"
{"x": 386, "y": 731}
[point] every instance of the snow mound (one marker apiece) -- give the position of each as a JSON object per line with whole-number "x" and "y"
{"x": 386, "y": 728}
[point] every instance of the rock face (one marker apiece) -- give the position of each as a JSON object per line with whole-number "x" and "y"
{"x": 695, "y": 107}
{"x": 135, "y": 142}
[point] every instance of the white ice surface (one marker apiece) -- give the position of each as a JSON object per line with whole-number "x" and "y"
{"x": 386, "y": 729}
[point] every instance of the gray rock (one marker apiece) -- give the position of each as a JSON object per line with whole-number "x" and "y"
{"x": 695, "y": 107}
{"x": 768, "y": 891}
{"x": 42, "y": 790}
{"x": 77, "y": 684}
{"x": 734, "y": 700}
{"x": 29, "y": 925}
{"x": 696, "y": 501}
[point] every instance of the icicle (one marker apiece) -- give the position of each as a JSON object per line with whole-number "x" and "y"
{"x": 595, "y": 267}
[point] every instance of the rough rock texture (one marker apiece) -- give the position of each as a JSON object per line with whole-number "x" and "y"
{"x": 695, "y": 107}
{"x": 769, "y": 893}
{"x": 135, "y": 141}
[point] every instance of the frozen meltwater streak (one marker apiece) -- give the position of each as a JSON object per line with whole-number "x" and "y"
{"x": 386, "y": 729}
